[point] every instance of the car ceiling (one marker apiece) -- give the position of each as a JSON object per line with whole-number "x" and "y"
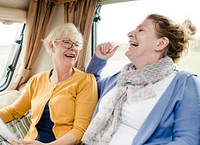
{"x": 18, "y": 4}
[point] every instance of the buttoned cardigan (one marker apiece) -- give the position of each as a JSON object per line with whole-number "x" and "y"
{"x": 71, "y": 103}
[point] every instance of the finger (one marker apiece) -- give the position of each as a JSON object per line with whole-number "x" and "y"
{"x": 105, "y": 48}
{"x": 28, "y": 142}
{"x": 13, "y": 142}
{"x": 108, "y": 47}
{"x": 114, "y": 48}
{"x": 100, "y": 49}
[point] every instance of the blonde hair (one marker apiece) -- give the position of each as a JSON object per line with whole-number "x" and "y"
{"x": 59, "y": 32}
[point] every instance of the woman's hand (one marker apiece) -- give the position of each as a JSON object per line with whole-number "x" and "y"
{"x": 22, "y": 142}
{"x": 106, "y": 50}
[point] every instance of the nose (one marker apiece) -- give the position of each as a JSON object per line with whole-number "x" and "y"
{"x": 73, "y": 47}
{"x": 131, "y": 34}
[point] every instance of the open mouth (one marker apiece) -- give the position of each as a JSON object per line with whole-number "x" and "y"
{"x": 133, "y": 44}
{"x": 70, "y": 55}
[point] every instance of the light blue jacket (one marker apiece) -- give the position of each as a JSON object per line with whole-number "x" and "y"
{"x": 174, "y": 120}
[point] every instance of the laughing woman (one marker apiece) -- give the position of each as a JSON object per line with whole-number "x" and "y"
{"x": 62, "y": 100}
{"x": 150, "y": 102}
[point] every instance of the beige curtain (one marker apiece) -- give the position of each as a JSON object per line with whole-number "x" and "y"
{"x": 61, "y": 1}
{"x": 81, "y": 13}
{"x": 39, "y": 16}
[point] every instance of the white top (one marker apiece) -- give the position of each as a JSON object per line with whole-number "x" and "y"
{"x": 134, "y": 113}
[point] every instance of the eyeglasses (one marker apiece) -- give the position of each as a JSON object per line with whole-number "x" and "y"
{"x": 69, "y": 44}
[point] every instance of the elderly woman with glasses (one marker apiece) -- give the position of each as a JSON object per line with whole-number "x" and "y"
{"x": 62, "y": 100}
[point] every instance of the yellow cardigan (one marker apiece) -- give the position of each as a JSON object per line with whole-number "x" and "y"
{"x": 71, "y": 104}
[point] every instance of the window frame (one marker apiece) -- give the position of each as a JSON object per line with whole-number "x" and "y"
{"x": 12, "y": 66}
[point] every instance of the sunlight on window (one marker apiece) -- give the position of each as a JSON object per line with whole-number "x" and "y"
{"x": 120, "y": 18}
{"x": 8, "y": 34}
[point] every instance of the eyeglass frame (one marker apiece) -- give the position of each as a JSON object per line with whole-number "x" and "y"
{"x": 72, "y": 44}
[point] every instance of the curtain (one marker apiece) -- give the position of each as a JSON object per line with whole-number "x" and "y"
{"x": 81, "y": 13}
{"x": 61, "y": 1}
{"x": 39, "y": 16}
{"x": 40, "y": 13}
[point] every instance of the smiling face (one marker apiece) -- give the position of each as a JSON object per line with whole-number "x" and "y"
{"x": 63, "y": 56}
{"x": 144, "y": 45}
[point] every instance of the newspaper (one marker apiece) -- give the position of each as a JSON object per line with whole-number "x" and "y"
{"x": 6, "y": 133}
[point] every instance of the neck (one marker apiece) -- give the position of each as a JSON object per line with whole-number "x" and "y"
{"x": 143, "y": 62}
{"x": 60, "y": 75}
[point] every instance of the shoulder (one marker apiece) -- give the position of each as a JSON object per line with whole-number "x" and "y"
{"x": 183, "y": 76}
{"x": 183, "y": 80}
{"x": 188, "y": 86}
{"x": 187, "y": 81}
{"x": 39, "y": 76}
{"x": 83, "y": 75}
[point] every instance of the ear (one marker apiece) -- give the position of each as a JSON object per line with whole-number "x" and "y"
{"x": 51, "y": 46}
{"x": 162, "y": 43}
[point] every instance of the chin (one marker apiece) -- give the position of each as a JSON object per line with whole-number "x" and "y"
{"x": 128, "y": 53}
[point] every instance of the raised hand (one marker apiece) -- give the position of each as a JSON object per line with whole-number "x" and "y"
{"x": 106, "y": 50}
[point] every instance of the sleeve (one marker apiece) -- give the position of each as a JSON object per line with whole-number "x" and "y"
{"x": 20, "y": 106}
{"x": 96, "y": 66}
{"x": 104, "y": 84}
{"x": 187, "y": 115}
{"x": 85, "y": 104}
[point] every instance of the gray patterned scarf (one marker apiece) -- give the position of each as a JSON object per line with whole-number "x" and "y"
{"x": 107, "y": 121}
